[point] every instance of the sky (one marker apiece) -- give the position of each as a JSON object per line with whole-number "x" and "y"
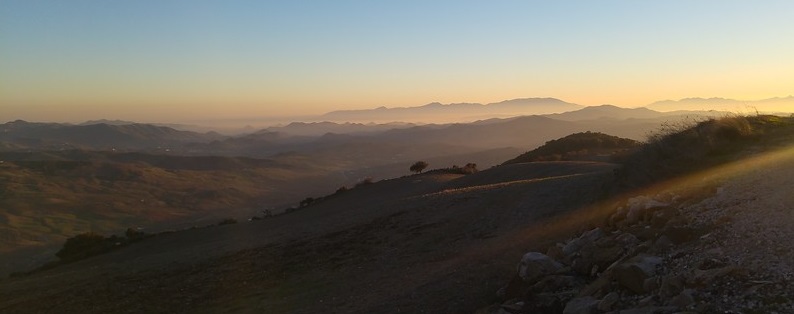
{"x": 169, "y": 60}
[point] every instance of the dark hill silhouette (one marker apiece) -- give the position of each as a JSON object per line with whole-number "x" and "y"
{"x": 578, "y": 146}
{"x": 607, "y": 112}
{"x": 320, "y": 128}
{"x": 98, "y": 136}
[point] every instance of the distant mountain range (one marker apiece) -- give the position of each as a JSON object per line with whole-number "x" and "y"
{"x": 776, "y": 104}
{"x": 524, "y": 132}
{"x": 98, "y": 136}
{"x": 437, "y": 112}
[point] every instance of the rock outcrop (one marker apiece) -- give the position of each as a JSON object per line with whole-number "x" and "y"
{"x": 654, "y": 255}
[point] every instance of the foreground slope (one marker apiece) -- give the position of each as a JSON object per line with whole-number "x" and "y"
{"x": 709, "y": 233}
{"x": 401, "y": 243}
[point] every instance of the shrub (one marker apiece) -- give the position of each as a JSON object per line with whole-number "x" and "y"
{"x": 84, "y": 245}
{"x": 689, "y": 146}
{"x": 366, "y": 181}
{"x": 134, "y": 234}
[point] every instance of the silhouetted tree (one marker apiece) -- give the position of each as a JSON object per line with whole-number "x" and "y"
{"x": 419, "y": 166}
{"x": 469, "y": 168}
{"x": 306, "y": 202}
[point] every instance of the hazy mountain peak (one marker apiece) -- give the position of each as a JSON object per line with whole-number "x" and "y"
{"x": 433, "y": 104}
{"x": 775, "y": 104}
{"x": 531, "y": 101}
{"x": 455, "y": 112}
{"x": 106, "y": 121}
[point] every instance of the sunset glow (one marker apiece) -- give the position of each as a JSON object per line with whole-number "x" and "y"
{"x": 199, "y": 60}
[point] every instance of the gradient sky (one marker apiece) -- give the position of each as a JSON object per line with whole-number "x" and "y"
{"x": 161, "y": 60}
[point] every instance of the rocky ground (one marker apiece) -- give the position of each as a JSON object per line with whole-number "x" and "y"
{"x": 715, "y": 242}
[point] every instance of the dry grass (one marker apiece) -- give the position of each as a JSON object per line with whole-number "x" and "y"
{"x": 693, "y": 145}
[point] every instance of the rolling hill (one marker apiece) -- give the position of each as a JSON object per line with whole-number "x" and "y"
{"x": 100, "y": 136}
{"x": 334, "y": 245}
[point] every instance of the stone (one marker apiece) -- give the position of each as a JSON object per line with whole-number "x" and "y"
{"x": 646, "y": 301}
{"x": 586, "y": 239}
{"x": 554, "y": 283}
{"x": 536, "y": 265}
{"x": 682, "y": 300}
{"x": 635, "y": 215}
{"x": 651, "y": 284}
{"x": 671, "y": 285}
{"x": 662, "y": 244}
{"x": 544, "y": 303}
{"x": 581, "y": 305}
{"x": 627, "y": 240}
{"x": 600, "y": 286}
{"x": 555, "y": 252}
{"x": 597, "y": 255}
{"x": 608, "y": 302}
{"x": 603, "y": 257}
{"x": 639, "y": 206}
{"x": 632, "y": 273}
{"x": 661, "y": 216}
{"x": 513, "y": 306}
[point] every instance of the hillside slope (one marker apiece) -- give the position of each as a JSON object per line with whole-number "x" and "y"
{"x": 359, "y": 252}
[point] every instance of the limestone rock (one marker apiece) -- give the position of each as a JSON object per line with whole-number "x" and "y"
{"x": 554, "y": 283}
{"x": 633, "y": 273}
{"x": 627, "y": 240}
{"x": 639, "y": 206}
{"x": 536, "y": 265}
{"x": 608, "y": 302}
{"x": 582, "y": 305}
{"x": 671, "y": 285}
{"x": 682, "y": 300}
{"x": 586, "y": 239}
